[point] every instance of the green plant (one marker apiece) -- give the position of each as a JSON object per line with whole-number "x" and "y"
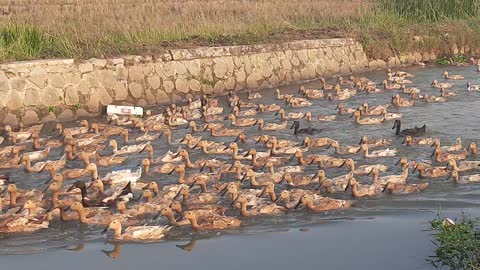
{"x": 443, "y": 61}
{"x": 431, "y": 10}
{"x": 457, "y": 245}
{"x": 77, "y": 106}
{"x": 52, "y": 109}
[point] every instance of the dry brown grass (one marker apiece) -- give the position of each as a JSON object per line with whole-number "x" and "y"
{"x": 96, "y": 27}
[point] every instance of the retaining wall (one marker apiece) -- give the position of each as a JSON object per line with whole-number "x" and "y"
{"x": 61, "y": 90}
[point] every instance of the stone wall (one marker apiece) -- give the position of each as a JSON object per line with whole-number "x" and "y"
{"x": 60, "y": 90}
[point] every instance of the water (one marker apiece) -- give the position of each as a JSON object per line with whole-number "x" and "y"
{"x": 385, "y": 231}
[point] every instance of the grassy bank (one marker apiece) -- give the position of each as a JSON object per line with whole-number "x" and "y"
{"x": 102, "y": 28}
{"x": 458, "y": 245}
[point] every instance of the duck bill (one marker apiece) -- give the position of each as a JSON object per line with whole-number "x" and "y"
{"x": 415, "y": 169}
{"x": 343, "y": 164}
{"x": 370, "y": 172}
{"x": 263, "y": 192}
{"x": 433, "y": 153}
{"x": 277, "y": 199}
{"x": 398, "y": 162}
{"x": 143, "y": 149}
{"x": 329, "y": 146}
{"x": 19, "y": 210}
{"x": 291, "y": 158}
{"x": 237, "y": 138}
{"x": 226, "y": 148}
{"x": 223, "y": 191}
{"x": 234, "y": 201}
{"x": 361, "y": 141}
{"x": 404, "y": 140}
{"x": 203, "y": 166}
{"x": 160, "y": 134}
{"x": 171, "y": 171}
{"x": 298, "y": 204}
{"x": 104, "y": 231}
{"x": 243, "y": 178}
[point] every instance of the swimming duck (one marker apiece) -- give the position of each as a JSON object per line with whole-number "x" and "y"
{"x": 291, "y": 115}
{"x": 416, "y": 131}
{"x": 316, "y": 142}
{"x": 346, "y": 150}
{"x": 394, "y": 179}
{"x": 296, "y": 102}
{"x": 363, "y": 169}
{"x": 387, "y": 86}
{"x": 436, "y": 84}
{"x": 307, "y": 130}
{"x": 223, "y": 132}
{"x": 100, "y": 218}
{"x": 365, "y": 109}
{"x": 473, "y": 87}
{"x": 325, "y": 86}
{"x": 367, "y": 120}
{"x": 258, "y": 209}
{"x": 430, "y": 172}
{"x": 408, "y": 140}
{"x": 137, "y": 233}
{"x": 376, "y": 153}
{"x": 472, "y": 147}
{"x": 323, "y": 203}
{"x": 402, "y": 102}
{"x": 452, "y": 77}
{"x": 391, "y": 116}
{"x": 433, "y": 99}
{"x": 336, "y": 184}
{"x": 127, "y": 149}
{"x": 237, "y": 113}
{"x": 466, "y": 179}
{"x": 342, "y": 110}
{"x": 463, "y": 165}
{"x": 244, "y": 122}
{"x": 359, "y": 191}
{"x": 310, "y": 93}
{"x": 444, "y": 93}
{"x": 448, "y": 148}
{"x": 278, "y": 95}
{"x": 216, "y": 222}
{"x": 253, "y": 95}
{"x": 441, "y": 156}
{"x": 270, "y": 126}
{"x": 403, "y": 188}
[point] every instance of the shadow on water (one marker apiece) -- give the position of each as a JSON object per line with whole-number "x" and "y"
{"x": 364, "y": 237}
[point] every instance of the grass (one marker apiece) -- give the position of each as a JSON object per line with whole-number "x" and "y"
{"x": 103, "y": 28}
{"x": 458, "y": 246}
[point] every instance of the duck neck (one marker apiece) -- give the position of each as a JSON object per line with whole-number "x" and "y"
{"x": 181, "y": 177}
{"x": 115, "y": 147}
{"x": 253, "y": 181}
{"x": 204, "y": 149}
{"x": 271, "y": 169}
{"x": 188, "y": 162}
{"x": 86, "y": 159}
{"x": 254, "y": 161}
{"x": 398, "y": 126}
{"x": 302, "y": 161}
{"x": 122, "y": 211}
{"x": 354, "y": 190}
{"x": 36, "y": 144}
{"x": 203, "y": 187}
{"x": 125, "y": 138}
{"x": 235, "y": 153}
{"x": 185, "y": 197}
{"x": 81, "y": 215}
{"x": 117, "y": 232}
{"x": 375, "y": 178}
{"x": 13, "y": 198}
{"x": 146, "y": 168}
{"x": 28, "y": 165}
{"x": 55, "y": 196}
{"x": 295, "y": 132}
{"x": 194, "y": 223}
{"x": 337, "y": 149}
{"x": 243, "y": 209}
{"x": 310, "y": 205}
{"x": 273, "y": 196}
{"x": 287, "y": 202}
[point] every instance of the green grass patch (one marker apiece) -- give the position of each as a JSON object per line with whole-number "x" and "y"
{"x": 458, "y": 245}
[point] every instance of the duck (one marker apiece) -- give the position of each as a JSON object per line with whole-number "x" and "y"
{"x": 310, "y": 93}
{"x": 472, "y": 147}
{"x": 244, "y": 122}
{"x": 100, "y": 218}
{"x": 223, "y": 132}
{"x": 296, "y": 102}
{"x": 290, "y": 115}
{"x": 36, "y": 155}
{"x": 363, "y": 169}
{"x": 307, "y": 130}
{"x": 436, "y": 84}
{"x": 387, "y": 86}
{"x": 433, "y": 99}
{"x": 444, "y": 93}
{"x": 299, "y": 180}
{"x": 341, "y": 109}
{"x": 83, "y": 128}
{"x": 258, "y": 208}
{"x": 237, "y": 113}
{"x": 127, "y": 149}
{"x": 278, "y": 95}
{"x": 38, "y": 145}
{"x": 270, "y": 126}
{"x": 323, "y": 203}
{"x": 268, "y": 108}
{"x": 253, "y": 95}
{"x": 346, "y": 150}
{"x": 359, "y": 191}
{"x": 447, "y": 76}
{"x": 409, "y": 141}
{"x": 40, "y": 166}
{"x": 316, "y": 142}
{"x": 374, "y": 142}
{"x": 377, "y": 153}
{"x": 414, "y": 132}
{"x": 367, "y": 120}
{"x": 403, "y": 188}
{"x": 366, "y": 110}
{"x": 463, "y": 165}
{"x": 430, "y": 172}
{"x": 215, "y": 222}
{"x": 473, "y": 87}
{"x": 390, "y": 116}
{"x": 442, "y": 157}
{"x": 448, "y": 148}
{"x": 394, "y": 179}
{"x": 336, "y": 184}
{"x": 137, "y": 233}
{"x": 465, "y": 179}
{"x": 325, "y": 86}
{"x": 402, "y": 102}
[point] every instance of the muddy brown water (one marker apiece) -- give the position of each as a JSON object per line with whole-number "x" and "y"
{"x": 381, "y": 232}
